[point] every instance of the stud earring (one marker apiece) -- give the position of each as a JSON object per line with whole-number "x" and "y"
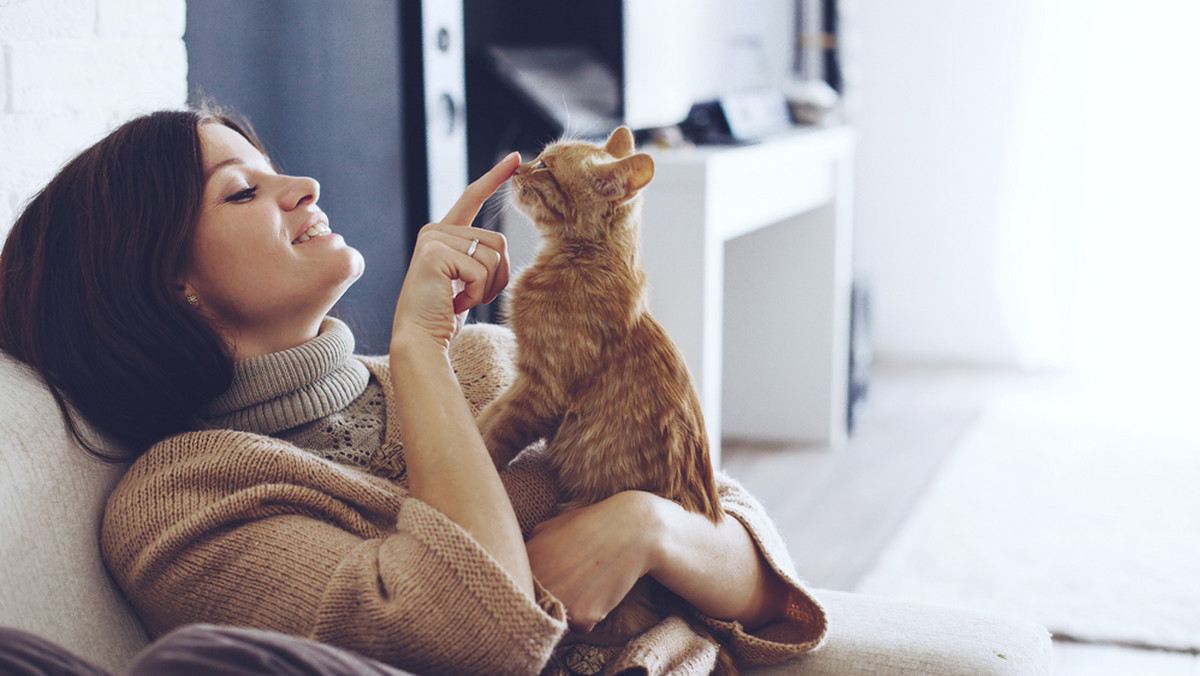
{"x": 192, "y": 299}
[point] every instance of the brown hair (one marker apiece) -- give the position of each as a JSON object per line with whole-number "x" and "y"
{"x": 89, "y": 284}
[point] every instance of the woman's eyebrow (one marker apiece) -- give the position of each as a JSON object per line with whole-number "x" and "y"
{"x": 221, "y": 165}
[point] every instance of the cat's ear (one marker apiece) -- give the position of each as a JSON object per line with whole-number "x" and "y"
{"x": 620, "y": 142}
{"x": 640, "y": 170}
{"x": 629, "y": 175}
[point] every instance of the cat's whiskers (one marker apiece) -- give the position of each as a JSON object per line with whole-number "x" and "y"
{"x": 570, "y": 133}
{"x": 497, "y": 206}
{"x": 567, "y": 112}
{"x": 569, "y": 136}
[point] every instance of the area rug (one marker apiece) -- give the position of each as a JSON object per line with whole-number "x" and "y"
{"x": 1090, "y": 527}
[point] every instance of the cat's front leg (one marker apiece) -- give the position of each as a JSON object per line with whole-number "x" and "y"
{"x": 516, "y": 419}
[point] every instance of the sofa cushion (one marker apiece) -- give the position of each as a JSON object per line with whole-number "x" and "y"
{"x": 52, "y": 582}
{"x": 870, "y": 635}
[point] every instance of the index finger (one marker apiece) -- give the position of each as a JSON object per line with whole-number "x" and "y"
{"x": 472, "y": 199}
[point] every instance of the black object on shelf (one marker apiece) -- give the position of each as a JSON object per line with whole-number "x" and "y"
{"x": 862, "y": 353}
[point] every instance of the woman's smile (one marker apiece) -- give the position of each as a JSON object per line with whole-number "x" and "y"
{"x": 317, "y": 226}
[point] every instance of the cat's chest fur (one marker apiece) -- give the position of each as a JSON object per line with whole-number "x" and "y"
{"x": 569, "y": 312}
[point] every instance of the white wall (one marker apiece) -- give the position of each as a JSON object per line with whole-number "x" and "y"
{"x": 935, "y": 83}
{"x": 682, "y": 51}
{"x": 1026, "y": 180}
{"x": 70, "y": 71}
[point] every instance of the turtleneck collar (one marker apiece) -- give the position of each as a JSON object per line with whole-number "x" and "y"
{"x": 278, "y": 391}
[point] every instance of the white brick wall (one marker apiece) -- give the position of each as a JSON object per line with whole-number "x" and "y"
{"x": 70, "y": 71}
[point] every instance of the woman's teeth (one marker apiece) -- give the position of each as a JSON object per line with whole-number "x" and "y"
{"x": 315, "y": 231}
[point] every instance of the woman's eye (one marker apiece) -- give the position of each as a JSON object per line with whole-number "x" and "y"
{"x": 243, "y": 195}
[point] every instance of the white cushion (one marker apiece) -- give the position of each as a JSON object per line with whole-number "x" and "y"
{"x": 52, "y": 493}
{"x": 870, "y": 635}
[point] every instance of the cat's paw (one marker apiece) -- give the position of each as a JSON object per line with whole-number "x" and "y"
{"x": 501, "y": 454}
{"x": 501, "y": 457}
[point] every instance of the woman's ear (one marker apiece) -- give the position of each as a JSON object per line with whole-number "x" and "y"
{"x": 187, "y": 294}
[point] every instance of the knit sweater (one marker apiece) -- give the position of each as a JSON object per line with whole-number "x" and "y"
{"x": 313, "y": 395}
{"x": 234, "y": 527}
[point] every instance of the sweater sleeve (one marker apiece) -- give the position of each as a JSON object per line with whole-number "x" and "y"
{"x": 804, "y": 627}
{"x": 230, "y": 528}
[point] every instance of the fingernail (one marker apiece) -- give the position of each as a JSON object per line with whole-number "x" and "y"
{"x": 513, "y": 154}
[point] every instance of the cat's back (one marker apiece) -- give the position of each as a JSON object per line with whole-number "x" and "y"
{"x": 655, "y": 354}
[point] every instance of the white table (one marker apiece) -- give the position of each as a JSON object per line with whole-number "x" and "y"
{"x": 748, "y": 253}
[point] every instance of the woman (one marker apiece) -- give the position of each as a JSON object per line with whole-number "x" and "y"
{"x": 174, "y": 288}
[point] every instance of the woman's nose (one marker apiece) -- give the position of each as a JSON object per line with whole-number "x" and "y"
{"x": 301, "y": 190}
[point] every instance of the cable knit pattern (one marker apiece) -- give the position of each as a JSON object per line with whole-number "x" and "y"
{"x": 233, "y": 527}
{"x": 350, "y": 436}
{"x": 484, "y": 384}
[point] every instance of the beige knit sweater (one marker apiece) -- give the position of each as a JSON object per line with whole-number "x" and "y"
{"x": 238, "y": 528}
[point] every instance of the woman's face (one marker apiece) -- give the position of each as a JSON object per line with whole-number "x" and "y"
{"x": 265, "y": 266}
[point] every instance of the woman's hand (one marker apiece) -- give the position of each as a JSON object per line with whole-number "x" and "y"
{"x": 449, "y": 273}
{"x": 591, "y": 557}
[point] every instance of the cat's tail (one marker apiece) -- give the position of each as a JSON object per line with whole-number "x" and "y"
{"x": 694, "y": 484}
{"x": 725, "y": 665}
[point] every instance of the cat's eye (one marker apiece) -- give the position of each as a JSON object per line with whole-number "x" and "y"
{"x": 540, "y": 165}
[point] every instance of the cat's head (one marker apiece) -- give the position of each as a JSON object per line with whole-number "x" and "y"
{"x": 574, "y": 187}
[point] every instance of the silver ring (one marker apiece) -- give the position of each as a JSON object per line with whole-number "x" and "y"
{"x": 471, "y": 249}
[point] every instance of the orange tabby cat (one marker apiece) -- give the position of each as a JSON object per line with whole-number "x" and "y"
{"x": 598, "y": 377}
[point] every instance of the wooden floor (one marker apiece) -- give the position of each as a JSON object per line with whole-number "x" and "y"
{"x": 838, "y": 508}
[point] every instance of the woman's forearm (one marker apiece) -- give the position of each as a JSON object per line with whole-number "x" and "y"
{"x": 717, "y": 568}
{"x": 448, "y": 466}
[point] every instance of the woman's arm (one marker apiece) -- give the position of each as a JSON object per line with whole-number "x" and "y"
{"x": 716, "y": 567}
{"x": 448, "y": 466}
{"x": 454, "y": 267}
{"x": 590, "y": 558}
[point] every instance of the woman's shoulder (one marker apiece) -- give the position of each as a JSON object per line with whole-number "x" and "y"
{"x": 200, "y": 467}
{"x": 490, "y": 336}
{"x": 207, "y": 446}
{"x": 484, "y": 357}
{"x": 196, "y": 476}
{"x": 171, "y": 482}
